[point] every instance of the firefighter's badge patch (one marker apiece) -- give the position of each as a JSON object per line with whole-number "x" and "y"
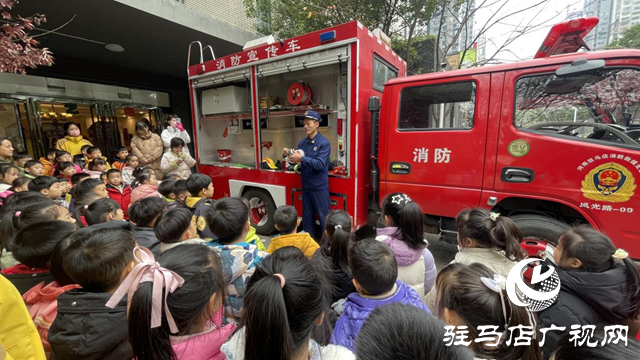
{"x": 609, "y": 182}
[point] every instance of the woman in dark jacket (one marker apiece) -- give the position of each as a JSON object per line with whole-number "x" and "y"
{"x": 600, "y": 285}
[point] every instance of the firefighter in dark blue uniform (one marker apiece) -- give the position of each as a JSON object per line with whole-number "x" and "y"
{"x": 314, "y": 173}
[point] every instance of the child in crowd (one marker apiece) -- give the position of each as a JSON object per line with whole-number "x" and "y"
{"x": 144, "y": 214}
{"x": 404, "y": 332}
{"x": 94, "y": 153}
{"x": 174, "y": 227}
{"x": 145, "y": 184}
{"x": 404, "y": 234}
{"x": 33, "y": 247}
{"x": 102, "y": 211}
{"x": 177, "y": 161}
{"x": 95, "y": 168}
{"x": 287, "y": 286}
{"x": 14, "y": 221}
{"x": 228, "y": 218}
{"x": 33, "y": 168}
{"x": 474, "y": 295}
{"x": 81, "y": 203}
{"x": 84, "y": 327}
{"x": 165, "y": 189}
{"x": 599, "y": 284}
{"x": 131, "y": 162}
{"x": 334, "y": 254}
{"x": 179, "y": 191}
{"x": 118, "y": 191}
{"x": 199, "y": 202}
{"x": 11, "y": 205}
{"x": 18, "y": 336}
{"x": 65, "y": 169}
{"x": 78, "y": 178}
{"x": 487, "y": 238}
{"x": 65, "y": 187}
{"x": 47, "y": 185}
{"x": 20, "y": 159}
{"x": 375, "y": 276}
{"x": 287, "y": 222}
{"x": 119, "y": 162}
{"x": 8, "y": 173}
{"x": 64, "y": 156}
{"x": 47, "y": 161}
{"x": 20, "y": 184}
{"x": 192, "y": 306}
{"x": 86, "y": 186}
{"x": 41, "y": 300}
{"x": 85, "y": 157}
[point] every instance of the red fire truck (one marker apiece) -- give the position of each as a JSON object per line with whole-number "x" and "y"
{"x": 550, "y": 142}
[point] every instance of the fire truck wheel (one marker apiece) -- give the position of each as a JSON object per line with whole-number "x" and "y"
{"x": 262, "y": 210}
{"x": 540, "y": 228}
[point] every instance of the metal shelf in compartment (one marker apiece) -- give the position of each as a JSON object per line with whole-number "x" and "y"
{"x": 273, "y": 113}
{"x": 228, "y": 164}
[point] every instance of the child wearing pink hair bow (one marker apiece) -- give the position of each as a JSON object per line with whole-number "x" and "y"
{"x": 175, "y": 306}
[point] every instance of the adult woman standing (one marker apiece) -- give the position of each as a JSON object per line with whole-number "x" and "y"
{"x": 6, "y": 151}
{"x": 147, "y": 146}
{"x": 173, "y": 130}
{"x": 73, "y": 142}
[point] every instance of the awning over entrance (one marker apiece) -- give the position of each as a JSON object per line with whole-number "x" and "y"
{"x": 155, "y": 34}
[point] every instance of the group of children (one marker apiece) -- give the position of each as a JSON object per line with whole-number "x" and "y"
{"x": 187, "y": 278}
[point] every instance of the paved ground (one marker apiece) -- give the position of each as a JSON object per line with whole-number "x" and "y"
{"x": 443, "y": 253}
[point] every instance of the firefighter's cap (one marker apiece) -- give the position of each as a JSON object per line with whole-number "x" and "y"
{"x": 312, "y": 115}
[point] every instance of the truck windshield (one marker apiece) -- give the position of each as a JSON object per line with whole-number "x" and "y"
{"x": 602, "y": 106}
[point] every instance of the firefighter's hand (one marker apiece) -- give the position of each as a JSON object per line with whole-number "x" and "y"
{"x": 295, "y": 158}
{"x": 285, "y": 152}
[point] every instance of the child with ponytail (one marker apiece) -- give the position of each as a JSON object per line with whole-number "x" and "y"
{"x": 474, "y": 295}
{"x": 184, "y": 323}
{"x": 488, "y": 238}
{"x": 404, "y": 234}
{"x": 334, "y": 254}
{"x": 144, "y": 185}
{"x": 283, "y": 304}
{"x": 599, "y": 284}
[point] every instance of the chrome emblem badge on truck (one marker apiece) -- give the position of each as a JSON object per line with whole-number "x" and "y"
{"x": 609, "y": 182}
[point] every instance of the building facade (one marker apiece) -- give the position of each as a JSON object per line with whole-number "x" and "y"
{"x": 616, "y": 16}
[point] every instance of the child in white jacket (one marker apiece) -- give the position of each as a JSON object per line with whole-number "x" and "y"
{"x": 176, "y": 161}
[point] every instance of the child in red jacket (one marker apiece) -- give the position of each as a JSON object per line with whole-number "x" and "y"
{"x": 119, "y": 191}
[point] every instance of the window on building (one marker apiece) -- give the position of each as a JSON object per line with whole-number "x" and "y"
{"x": 382, "y": 72}
{"x": 433, "y": 107}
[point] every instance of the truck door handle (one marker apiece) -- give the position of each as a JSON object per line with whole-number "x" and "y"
{"x": 517, "y": 175}
{"x": 400, "y": 168}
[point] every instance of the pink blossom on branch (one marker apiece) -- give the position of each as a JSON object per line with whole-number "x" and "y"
{"x": 18, "y": 50}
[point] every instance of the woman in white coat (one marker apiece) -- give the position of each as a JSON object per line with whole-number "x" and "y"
{"x": 174, "y": 129}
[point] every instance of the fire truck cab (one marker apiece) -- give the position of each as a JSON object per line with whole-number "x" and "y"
{"x": 549, "y": 142}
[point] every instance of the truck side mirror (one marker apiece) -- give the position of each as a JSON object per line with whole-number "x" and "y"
{"x": 374, "y": 104}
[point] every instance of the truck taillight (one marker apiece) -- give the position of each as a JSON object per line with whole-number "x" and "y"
{"x": 339, "y": 127}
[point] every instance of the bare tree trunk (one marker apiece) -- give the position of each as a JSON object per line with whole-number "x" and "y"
{"x": 436, "y": 65}
{"x": 412, "y": 27}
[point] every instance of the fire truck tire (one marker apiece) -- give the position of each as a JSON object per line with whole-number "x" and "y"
{"x": 534, "y": 226}
{"x": 260, "y": 198}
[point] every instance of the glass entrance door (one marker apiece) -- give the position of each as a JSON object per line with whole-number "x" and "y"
{"x": 10, "y": 126}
